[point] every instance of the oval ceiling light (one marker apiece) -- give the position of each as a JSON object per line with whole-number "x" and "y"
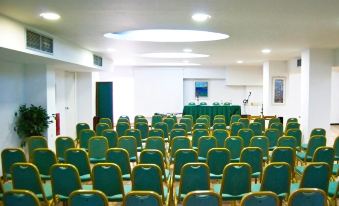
{"x": 167, "y": 35}
{"x": 173, "y": 55}
{"x": 50, "y": 16}
{"x": 240, "y": 61}
{"x": 266, "y": 51}
{"x": 187, "y": 50}
{"x": 200, "y": 17}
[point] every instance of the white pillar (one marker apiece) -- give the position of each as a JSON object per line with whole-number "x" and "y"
{"x": 316, "y": 89}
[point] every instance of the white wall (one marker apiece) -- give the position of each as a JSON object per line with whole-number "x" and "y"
{"x": 293, "y": 92}
{"x": 335, "y": 95}
{"x": 244, "y": 75}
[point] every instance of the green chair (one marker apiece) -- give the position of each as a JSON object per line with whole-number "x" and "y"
{"x": 25, "y": 176}
{"x": 261, "y": 142}
{"x": 111, "y": 136}
{"x": 206, "y": 116}
{"x": 256, "y": 128}
{"x": 177, "y": 133}
{"x": 4, "y": 187}
{"x": 309, "y": 197}
{"x": 162, "y": 126}
{"x": 180, "y": 126}
{"x": 79, "y": 159}
{"x": 85, "y": 135}
{"x": 156, "y": 119}
{"x": 100, "y": 127}
{"x": 142, "y": 198}
{"x": 143, "y": 128}
{"x": 219, "y": 120}
{"x": 174, "y": 117}
{"x": 284, "y": 154}
{"x": 287, "y": 141}
{"x": 181, "y": 157}
{"x": 196, "y": 135}
{"x": 142, "y": 173}
{"x": 129, "y": 143}
{"x": 262, "y": 123}
{"x": 253, "y": 156}
{"x": 333, "y": 190}
{"x": 137, "y": 135}
{"x": 203, "y": 103}
{"x": 297, "y": 134}
{"x": 217, "y": 159}
{"x": 235, "y": 118}
{"x": 137, "y": 117}
{"x": 292, "y": 125}
{"x": 35, "y": 142}
{"x": 63, "y": 143}
{"x": 106, "y": 121}
{"x": 260, "y": 199}
{"x": 216, "y": 104}
{"x": 120, "y": 157}
{"x": 107, "y": 178}
{"x": 9, "y": 156}
{"x": 97, "y": 147}
{"x": 336, "y": 149}
{"x": 245, "y": 122}
{"x": 170, "y": 123}
{"x": 278, "y": 126}
{"x": 200, "y": 126}
{"x": 125, "y": 120}
{"x": 246, "y": 135}
{"x": 141, "y": 120}
{"x": 220, "y": 116}
{"x": 20, "y": 197}
{"x": 180, "y": 142}
{"x": 292, "y": 119}
{"x": 313, "y": 143}
{"x": 201, "y": 120}
{"x": 200, "y": 198}
{"x": 121, "y": 128}
{"x": 43, "y": 159}
{"x": 152, "y": 156}
{"x": 234, "y": 144}
{"x": 273, "y": 120}
{"x": 220, "y": 135}
{"x": 236, "y": 182}
{"x": 205, "y": 144}
{"x": 87, "y": 198}
{"x": 194, "y": 176}
{"x": 272, "y": 136}
{"x": 156, "y": 133}
{"x": 124, "y": 116}
{"x": 188, "y": 122}
{"x": 80, "y": 127}
{"x": 315, "y": 131}
{"x": 235, "y": 127}
{"x": 157, "y": 143}
{"x": 219, "y": 126}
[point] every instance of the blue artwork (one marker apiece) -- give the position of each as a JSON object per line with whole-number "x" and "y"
{"x": 201, "y": 89}
{"x": 279, "y": 91}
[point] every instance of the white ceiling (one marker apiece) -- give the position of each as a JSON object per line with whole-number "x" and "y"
{"x": 285, "y": 26}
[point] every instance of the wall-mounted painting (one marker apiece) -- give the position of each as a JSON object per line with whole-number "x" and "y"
{"x": 279, "y": 84}
{"x": 201, "y": 89}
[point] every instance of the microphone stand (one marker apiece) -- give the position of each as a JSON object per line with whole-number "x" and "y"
{"x": 245, "y": 101}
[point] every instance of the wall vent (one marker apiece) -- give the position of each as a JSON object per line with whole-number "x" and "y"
{"x": 298, "y": 62}
{"x": 39, "y": 42}
{"x": 97, "y": 60}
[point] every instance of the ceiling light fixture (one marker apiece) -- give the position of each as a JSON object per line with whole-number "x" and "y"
{"x": 240, "y": 61}
{"x": 187, "y": 50}
{"x": 200, "y": 17}
{"x": 167, "y": 35}
{"x": 111, "y": 50}
{"x": 173, "y": 55}
{"x": 50, "y": 16}
{"x": 266, "y": 51}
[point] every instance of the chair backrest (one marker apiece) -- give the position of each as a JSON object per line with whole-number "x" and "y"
{"x": 81, "y": 126}
{"x": 236, "y": 179}
{"x": 85, "y": 135}
{"x": 217, "y": 159}
{"x": 87, "y": 198}
{"x": 219, "y": 126}
{"x": 142, "y": 198}
{"x": 220, "y": 116}
{"x": 111, "y": 136}
{"x": 119, "y": 157}
{"x": 216, "y": 104}
{"x": 273, "y": 120}
{"x": 162, "y": 126}
{"x": 292, "y": 125}
{"x": 235, "y": 127}
{"x": 194, "y": 176}
{"x": 220, "y": 135}
{"x": 156, "y": 133}
{"x": 246, "y": 135}
{"x": 276, "y": 178}
{"x": 143, "y": 128}
{"x": 203, "y": 103}
{"x": 197, "y": 134}
{"x": 296, "y": 133}
{"x": 318, "y": 131}
{"x": 234, "y": 144}
{"x": 79, "y": 159}
{"x": 152, "y": 156}
{"x": 180, "y": 142}
{"x": 336, "y": 147}
{"x": 20, "y": 197}
{"x": 262, "y": 123}
{"x": 180, "y": 126}
{"x": 136, "y": 134}
{"x": 176, "y": 133}
{"x": 106, "y": 121}
{"x": 63, "y": 143}
{"x": 205, "y": 144}
{"x": 202, "y": 198}
{"x": 128, "y": 143}
{"x": 245, "y": 122}
{"x": 256, "y": 127}
{"x": 200, "y": 126}
{"x": 122, "y": 119}
{"x": 314, "y": 142}
{"x": 157, "y": 143}
{"x": 219, "y": 120}
{"x": 170, "y": 123}
{"x": 287, "y": 141}
{"x": 43, "y": 159}
{"x": 324, "y": 154}
{"x": 97, "y": 147}
{"x": 137, "y": 117}
{"x": 183, "y": 156}
{"x": 107, "y": 178}
{"x": 292, "y": 119}
{"x": 273, "y": 136}
{"x": 35, "y": 142}
{"x": 316, "y": 175}
{"x": 65, "y": 179}
{"x": 253, "y": 156}
{"x": 100, "y": 127}
{"x": 261, "y": 142}
{"x": 9, "y": 156}
{"x": 235, "y": 118}
{"x": 174, "y": 117}
{"x": 260, "y": 199}
{"x": 124, "y": 116}
{"x": 204, "y": 119}
{"x": 121, "y": 128}
{"x": 188, "y": 116}
{"x": 278, "y": 126}
{"x": 284, "y": 154}
{"x": 309, "y": 197}
{"x": 156, "y": 119}
{"x": 188, "y": 122}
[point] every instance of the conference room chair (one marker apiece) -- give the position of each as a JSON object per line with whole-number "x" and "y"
{"x": 256, "y": 128}
{"x": 87, "y": 198}
{"x": 142, "y": 198}
{"x": 287, "y": 141}
{"x": 253, "y": 156}
{"x": 179, "y": 142}
{"x": 20, "y": 197}
{"x": 314, "y": 142}
{"x": 297, "y": 134}
{"x": 141, "y": 120}
{"x": 156, "y": 119}
{"x": 182, "y": 157}
{"x": 204, "y": 145}
{"x": 100, "y": 127}
{"x": 107, "y": 178}
{"x": 170, "y": 123}
{"x": 79, "y": 127}
{"x": 137, "y": 135}
{"x": 120, "y": 157}
{"x": 203, "y": 120}
{"x": 291, "y": 119}
{"x": 9, "y": 156}
{"x": 152, "y": 156}
{"x": 25, "y": 176}
{"x": 234, "y": 144}
{"x": 85, "y": 135}
{"x": 136, "y": 117}
{"x": 122, "y": 127}
{"x": 156, "y": 133}
{"x": 292, "y": 125}
{"x": 180, "y": 126}
{"x": 260, "y": 199}
{"x": 216, "y": 104}
{"x": 43, "y": 159}
{"x": 219, "y": 116}
{"x": 245, "y": 122}
{"x": 162, "y": 126}
{"x": 124, "y": 116}
{"x": 129, "y": 143}
{"x": 35, "y": 142}
{"x": 196, "y": 135}
{"x": 123, "y": 119}
{"x": 107, "y": 121}
{"x": 219, "y": 120}
{"x": 217, "y": 159}
{"x": 200, "y": 126}
{"x": 262, "y": 122}
{"x": 278, "y": 126}
{"x": 246, "y": 135}
{"x": 206, "y": 197}
{"x": 220, "y": 135}
{"x": 272, "y": 136}
{"x": 263, "y": 143}
{"x": 336, "y": 149}
{"x": 315, "y": 131}
{"x": 194, "y": 176}
{"x": 157, "y": 143}
{"x": 273, "y": 120}
{"x": 63, "y": 143}
{"x": 189, "y": 116}
{"x": 333, "y": 190}
{"x": 143, "y": 128}
{"x": 97, "y": 148}
{"x": 4, "y": 187}
{"x": 188, "y": 122}
{"x": 309, "y": 197}
{"x": 219, "y": 126}
{"x": 284, "y": 154}
{"x": 111, "y": 136}
{"x": 203, "y": 103}
{"x": 235, "y": 118}
{"x": 176, "y": 133}
{"x": 235, "y": 127}
{"x": 79, "y": 158}
{"x": 174, "y": 117}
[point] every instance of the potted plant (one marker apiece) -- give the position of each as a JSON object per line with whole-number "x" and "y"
{"x": 31, "y": 121}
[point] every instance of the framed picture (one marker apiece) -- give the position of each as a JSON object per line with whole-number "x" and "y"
{"x": 279, "y": 91}
{"x": 201, "y": 89}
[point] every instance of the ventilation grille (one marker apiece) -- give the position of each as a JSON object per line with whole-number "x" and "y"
{"x": 299, "y": 63}
{"x": 97, "y": 60}
{"x": 39, "y": 42}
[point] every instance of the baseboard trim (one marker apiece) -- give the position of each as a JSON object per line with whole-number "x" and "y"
{"x": 334, "y": 124}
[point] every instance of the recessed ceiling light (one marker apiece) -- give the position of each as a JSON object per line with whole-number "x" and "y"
{"x": 200, "y": 17}
{"x": 167, "y": 35}
{"x": 173, "y": 64}
{"x": 240, "y": 61}
{"x": 187, "y": 50}
{"x": 50, "y": 16}
{"x": 111, "y": 50}
{"x": 266, "y": 51}
{"x": 174, "y": 55}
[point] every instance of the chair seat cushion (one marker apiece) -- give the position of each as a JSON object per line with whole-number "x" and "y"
{"x": 225, "y": 196}
{"x": 85, "y": 177}
{"x": 255, "y": 175}
{"x": 332, "y": 189}
{"x": 294, "y": 187}
{"x": 202, "y": 159}
{"x": 301, "y": 155}
{"x": 126, "y": 177}
{"x": 7, "y": 186}
{"x": 182, "y": 196}
{"x": 96, "y": 160}
{"x": 235, "y": 159}
{"x": 335, "y": 169}
{"x": 215, "y": 176}
{"x": 133, "y": 159}
{"x": 300, "y": 169}
{"x": 47, "y": 187}
{"x": 255, "y": 187}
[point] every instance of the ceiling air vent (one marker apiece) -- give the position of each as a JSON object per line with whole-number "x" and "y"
{"x": 39, "y": 42}
{"x": 97, "y": 60}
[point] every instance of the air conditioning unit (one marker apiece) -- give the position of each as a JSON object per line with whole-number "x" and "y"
{"x": 39, "y": 42}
